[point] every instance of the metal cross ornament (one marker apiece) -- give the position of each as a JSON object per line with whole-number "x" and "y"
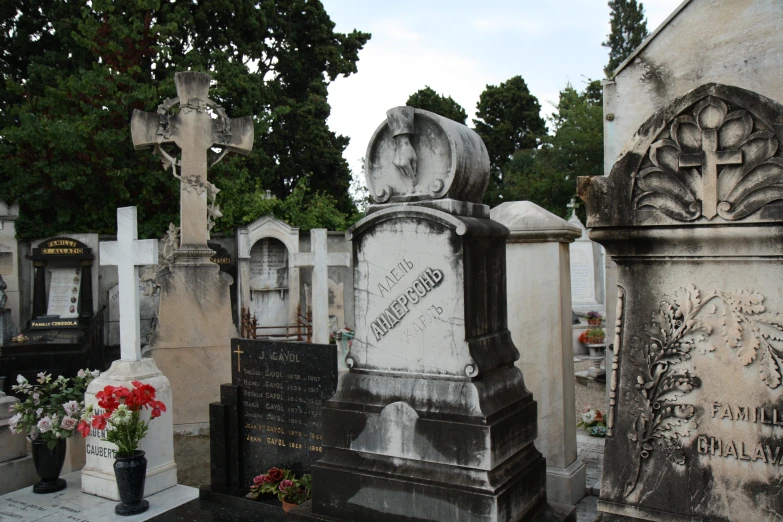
{"x": 195, "y": 131}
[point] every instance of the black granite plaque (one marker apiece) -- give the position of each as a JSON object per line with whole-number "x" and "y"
{"x": 282, "y": 387}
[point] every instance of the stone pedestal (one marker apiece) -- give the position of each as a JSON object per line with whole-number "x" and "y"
{"x": 539, "y": 308}
{"x": 98, "y": 473}
{"x": 191, "y": 344}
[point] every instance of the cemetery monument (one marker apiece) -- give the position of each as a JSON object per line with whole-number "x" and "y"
{"x": 433, "y": 420}
{"x": 539, "y": 300}
{"x": 9, "y": 273}
{"x": 692, "y": 214}
{"x": 191, "y": 342}
{"x": 128, "y": 253}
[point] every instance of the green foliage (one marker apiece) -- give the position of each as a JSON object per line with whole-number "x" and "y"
{"x": 75, "y": 74}
{"x": 547, "y": 175}
{"x": 302, "y": 208}
{"x": 429, "y": 100}
{"x": 509, "y": 120}
{"x": 629, "y": 29}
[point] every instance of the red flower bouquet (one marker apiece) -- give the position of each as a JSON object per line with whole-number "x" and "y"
{"x": 122, "y": 415}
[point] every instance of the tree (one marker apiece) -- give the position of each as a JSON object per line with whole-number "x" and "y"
{"x": 429, "y": 100}
{"x": 547, "y": 176}
{"x": 509, "y": 119}
{"x": 76, "y": 74}
{"x": 628, "y": 30}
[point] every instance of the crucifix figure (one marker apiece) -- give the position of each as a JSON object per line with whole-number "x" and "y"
{"x": 239, "y": 353}
{"x": 127, "y": 253}
{"x": 194, "y": 130}
{"x": 709, "y": 159}
{"x": 320, "y": 260}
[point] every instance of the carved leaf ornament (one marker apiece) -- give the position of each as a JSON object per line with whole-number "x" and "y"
{"x": 712, "y": 160}
{"x": 746, "y": 328}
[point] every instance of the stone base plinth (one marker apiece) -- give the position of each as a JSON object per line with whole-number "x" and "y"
{"x": 401, "y": 448}
{"x": 191, "y": 344}
{"x": 17, "y": 474}
{"x": 98, "y": 473}
{"x": 566, "y": 485}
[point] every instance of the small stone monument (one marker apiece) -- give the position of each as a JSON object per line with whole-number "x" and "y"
{"x": 433, "y": 420}
{"x": 128, "y": 253}
{"x": 539, "y": 303}
{"x": 587, "y": 271}
{"x": 192, "y": 339}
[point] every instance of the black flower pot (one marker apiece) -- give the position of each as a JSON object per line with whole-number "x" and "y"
{"x": 130, "y": 473}
{"x": 48, "y": 464}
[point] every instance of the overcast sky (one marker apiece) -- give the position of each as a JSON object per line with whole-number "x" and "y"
{"x": 457, "y": 47}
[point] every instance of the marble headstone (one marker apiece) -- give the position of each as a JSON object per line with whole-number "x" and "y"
{"x": 587, "y": 272}
{"x": 433, "y": 421}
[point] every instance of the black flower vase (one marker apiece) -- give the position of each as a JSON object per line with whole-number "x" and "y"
{"x": 48, "y": 464}
{"x": 130, "y": 473}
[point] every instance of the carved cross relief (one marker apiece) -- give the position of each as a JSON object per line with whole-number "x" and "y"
{"x": 194, "y": 131}
{"x": 712, "y": 160}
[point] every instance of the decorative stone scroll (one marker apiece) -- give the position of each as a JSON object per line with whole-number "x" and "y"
{"x": 417, "y": 155}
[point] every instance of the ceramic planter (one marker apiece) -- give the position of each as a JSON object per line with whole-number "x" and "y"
{"x": 48, "y": 464}
{"x": 288, "y": 506}
{"x": 130, "y": 473}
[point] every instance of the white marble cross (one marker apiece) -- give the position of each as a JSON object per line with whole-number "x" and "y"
{"x": 320, "y": 260}
{"x": 127, "y": 253}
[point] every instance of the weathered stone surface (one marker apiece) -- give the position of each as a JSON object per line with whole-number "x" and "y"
{"x": 12, "y": 446}
{"x": 9, "y": 259}
{"x": 418, "y": 155}
{"x": 587, "y": 272}
{"x": 691, "y": 214}
{"x": 539, "y": 301}
{"x": 433, "y": 421}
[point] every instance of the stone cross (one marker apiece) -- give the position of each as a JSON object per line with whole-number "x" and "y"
{"x": 127, "y": 253}
{"x": 320, "y": 260}
{"x": 572, "y": 206}
{"x": 194, "y": 130}
{"x": 708, "y": 159}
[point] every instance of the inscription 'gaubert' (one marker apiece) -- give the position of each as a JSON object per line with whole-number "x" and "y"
{"x": 424, "y": 284}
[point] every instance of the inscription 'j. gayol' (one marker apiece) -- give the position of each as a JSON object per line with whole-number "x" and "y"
{"x": 399, "y": 307}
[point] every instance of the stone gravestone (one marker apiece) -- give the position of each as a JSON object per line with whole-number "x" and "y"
{"x": 269, "y": 416}
{"x": 194, "y": 319}
{"x": 433, "y": 421}
{"x": 539, "y": 301}
{"x": 587, "y": 271}
{"x": 692, "y": 214}
{"x": 98, "y": 478}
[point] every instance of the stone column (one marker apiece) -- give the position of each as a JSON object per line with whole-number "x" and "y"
{"x": 539, "y": 310}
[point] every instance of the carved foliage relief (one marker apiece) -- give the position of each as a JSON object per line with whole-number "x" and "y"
{"x": 715, "y": 158}
{"x": 737, "y": 320}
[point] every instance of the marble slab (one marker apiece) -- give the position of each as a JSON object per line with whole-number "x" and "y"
{"x": 71, "y": 504}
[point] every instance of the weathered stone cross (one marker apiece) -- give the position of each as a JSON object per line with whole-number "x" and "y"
{"x": 708, "y": 159}
{"x": 194, "y": 131}
{"x": 127, "y": 253}
{"x": 320, "y": 260}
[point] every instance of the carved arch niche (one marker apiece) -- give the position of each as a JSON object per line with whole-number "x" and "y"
{"x": 713, "y": 156}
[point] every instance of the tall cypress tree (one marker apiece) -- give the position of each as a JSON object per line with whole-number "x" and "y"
{"x": 629, "y": 29}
